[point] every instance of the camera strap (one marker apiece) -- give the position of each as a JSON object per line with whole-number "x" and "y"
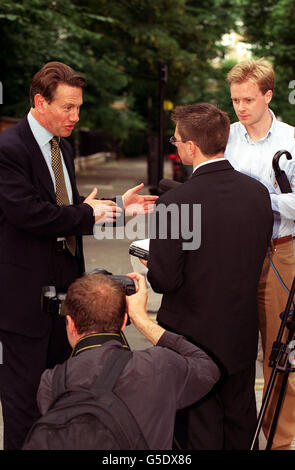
{"x": 96, "y": 340}
{"x": 279, "y": 278}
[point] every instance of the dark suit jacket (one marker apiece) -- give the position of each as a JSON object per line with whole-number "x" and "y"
{"x": 30, "y": 222}
{"x": 210, "y": 292}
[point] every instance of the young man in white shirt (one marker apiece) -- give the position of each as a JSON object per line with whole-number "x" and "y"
{"x": 253, "y": 142}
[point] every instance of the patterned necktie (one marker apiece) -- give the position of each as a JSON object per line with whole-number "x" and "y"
{"x": 62, "y": 197}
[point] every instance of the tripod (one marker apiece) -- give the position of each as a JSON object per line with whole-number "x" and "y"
{"x": 281, "y": 360}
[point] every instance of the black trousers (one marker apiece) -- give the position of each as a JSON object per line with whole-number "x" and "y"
{"x": 223, "y": 420}
{"x": 24, "y": 360}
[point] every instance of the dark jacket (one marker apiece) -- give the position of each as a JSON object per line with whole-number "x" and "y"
{"x": 154, "y": 384}
{"x": 209, "y": 293}
{"x": 30, "y": 223}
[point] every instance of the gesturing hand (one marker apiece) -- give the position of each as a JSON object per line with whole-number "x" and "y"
{"x": 104, "y": 211}
{"x": 138, "y": 204}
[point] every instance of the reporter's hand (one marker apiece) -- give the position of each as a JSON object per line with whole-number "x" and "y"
{"x": 104, "y": 210}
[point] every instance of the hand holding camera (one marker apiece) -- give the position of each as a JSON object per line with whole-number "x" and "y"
{"x": 137, "y": 303}
{"x": 136, "y": 300}
{"x": 52, "y": 301}
{"x": 137, "y": 311}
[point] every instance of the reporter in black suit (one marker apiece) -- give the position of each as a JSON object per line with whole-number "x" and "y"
{"x": 209, "y": 292}
{"x": 34, "y": 239}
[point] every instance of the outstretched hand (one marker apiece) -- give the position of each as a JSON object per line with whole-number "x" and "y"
{"x": 104, "y": 210}
{"x": 135, "y": 203}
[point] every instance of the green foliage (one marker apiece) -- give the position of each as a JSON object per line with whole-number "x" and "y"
{"x": 117, "y": 46}
{"x": 183, "y": 34}
{"x": 38, "y": 31}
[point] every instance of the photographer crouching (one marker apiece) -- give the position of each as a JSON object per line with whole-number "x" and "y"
{"x": 154, "y": 383}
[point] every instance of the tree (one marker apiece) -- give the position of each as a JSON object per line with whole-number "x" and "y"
{"x": 185, "y": 35}
{"x": 118, "y": 47}
{"x": 34, "y": 32}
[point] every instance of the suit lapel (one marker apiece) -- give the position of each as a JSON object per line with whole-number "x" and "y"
{"x": 38, "y": 162}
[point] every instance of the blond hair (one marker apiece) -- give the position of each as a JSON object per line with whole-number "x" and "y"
{"x": 257, "y": 71}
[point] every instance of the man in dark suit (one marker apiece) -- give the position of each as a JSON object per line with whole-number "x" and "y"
{"x": 42, "y": 218}
{"x": 209, "y": 281}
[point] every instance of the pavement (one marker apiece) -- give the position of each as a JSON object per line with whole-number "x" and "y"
{"x": 114, "y": 177}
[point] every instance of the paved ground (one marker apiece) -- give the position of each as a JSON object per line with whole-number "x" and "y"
{"x": 113, "y": 178}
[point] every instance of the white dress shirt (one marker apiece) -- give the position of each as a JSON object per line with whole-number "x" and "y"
{"x": 43, "y": 138}
{"x": 208, "y": 161}
{"x": 255, "y": 159}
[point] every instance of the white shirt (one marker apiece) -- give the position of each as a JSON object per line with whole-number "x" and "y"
{"x": 208, "y": 161}
{"x": 255, "y": 159}
{"x": 43, "y": 138}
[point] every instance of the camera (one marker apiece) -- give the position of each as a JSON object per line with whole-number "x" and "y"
{"x": 52, "y": 302}
{"x": 126, "y": 282}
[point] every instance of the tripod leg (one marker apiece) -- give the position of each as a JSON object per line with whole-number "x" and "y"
{"x": 264, "y": 406}
{"x": 277, "y": 411}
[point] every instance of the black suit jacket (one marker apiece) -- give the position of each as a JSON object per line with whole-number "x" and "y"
{"x": 209, "y": 293}
{"x": 30, "y": 222}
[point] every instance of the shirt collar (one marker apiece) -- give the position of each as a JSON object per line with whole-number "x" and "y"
{"x": 269, "y": 133}
{"x": 42, "y": 135}
{"x": 209, "y": 161}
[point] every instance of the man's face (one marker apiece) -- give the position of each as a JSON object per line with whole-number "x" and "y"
{"x": 61, "y": 115}
{"x": 249, "y": 103}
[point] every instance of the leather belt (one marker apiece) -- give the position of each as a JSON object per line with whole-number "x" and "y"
{"x": 279, "y": 241}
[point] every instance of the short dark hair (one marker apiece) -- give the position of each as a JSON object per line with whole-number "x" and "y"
{"x": 204, "y": 124}
{"x": 49, "y": 77}
{"x": 96, "y": 303}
